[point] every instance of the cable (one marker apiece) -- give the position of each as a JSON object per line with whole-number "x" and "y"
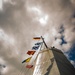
{"x": 21, "y": 70}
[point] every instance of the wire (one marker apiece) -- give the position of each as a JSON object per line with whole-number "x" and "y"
{"x": 21, "y": 70}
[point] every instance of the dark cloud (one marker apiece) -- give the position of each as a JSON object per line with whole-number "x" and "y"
{"x": 20, "y": 22}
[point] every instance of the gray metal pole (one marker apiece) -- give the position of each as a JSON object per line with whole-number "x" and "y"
{"x": 44, "y": 42}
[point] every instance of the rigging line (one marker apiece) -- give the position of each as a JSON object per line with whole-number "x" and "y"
{"x": 18, "y": 60}
{"x": 40, "y": 49}
{"x": 27, "y": 71}
{"x": 21, "y": 70}
{"x": 36, "y": 57}
{"x": 22, "y": 67}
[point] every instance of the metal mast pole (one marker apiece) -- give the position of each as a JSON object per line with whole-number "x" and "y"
{"x": 44, "y": 42}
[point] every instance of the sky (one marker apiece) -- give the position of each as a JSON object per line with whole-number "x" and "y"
{"x": 21, "y": 20}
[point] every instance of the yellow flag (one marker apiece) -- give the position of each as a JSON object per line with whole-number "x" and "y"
{"x": 26, "y": 60}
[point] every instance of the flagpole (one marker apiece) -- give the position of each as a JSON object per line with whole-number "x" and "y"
{"x": 36, "y": 70}
{"x": 44, "y": 42}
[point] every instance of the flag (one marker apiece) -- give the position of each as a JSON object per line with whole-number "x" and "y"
{"x": 38, "y": 43}
{"x": 29, "y": 66}
{"x": 26, "y": 60}
{"x": 31, "y": 52}
{"x": 37, "y": 38}
{"x": 35, "y": 47}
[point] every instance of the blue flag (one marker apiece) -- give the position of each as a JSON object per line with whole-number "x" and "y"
{"x": 38, "y": 43}
{"x": 35, "y": 47}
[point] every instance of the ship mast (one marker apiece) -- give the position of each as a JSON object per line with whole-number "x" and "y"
{"x": 38, "y": 62}
{"x": 52, "y": 61}
{"x": 44, "y": 42}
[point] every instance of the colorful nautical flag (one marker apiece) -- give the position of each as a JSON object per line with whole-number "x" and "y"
{"x": 29, "y": 66}
{"x": 38, "y": 43}
{"x": 26, "y": 60}
{"x": 31, "y": 52}
{"x": 37, "y": 38}
{"x": 35, "y": 47}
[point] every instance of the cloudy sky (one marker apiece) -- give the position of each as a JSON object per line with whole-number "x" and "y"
{"x": 21, "y": 20}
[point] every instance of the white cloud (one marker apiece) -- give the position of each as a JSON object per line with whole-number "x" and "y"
{"x": 43, "y": 20}
{"x": 54, "y": 32}
{"x": 46, "y": 37}
{"x": 72, "y": 62}
{"x": 7, "y": 39}
{"x": 9, "y": 1}
{"x": 2, "y": 2}
{"x": 2, "y": 61}
{"x": 48, "y": 16}
{"x": 36, "y": 10}
{"x": 66, "y": 47}
{"x": 57, "y": 43}
{"x": 37, "y": 14}
{"x": 9, "y": 44}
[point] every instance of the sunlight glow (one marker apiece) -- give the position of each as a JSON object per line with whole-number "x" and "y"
{"x": 39, "y": 15}
{"x": 43, "y": 20}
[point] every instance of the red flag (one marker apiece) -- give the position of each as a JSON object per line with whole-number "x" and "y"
{"x": 29, "y": 66}
{"x": 30, "y": 52}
